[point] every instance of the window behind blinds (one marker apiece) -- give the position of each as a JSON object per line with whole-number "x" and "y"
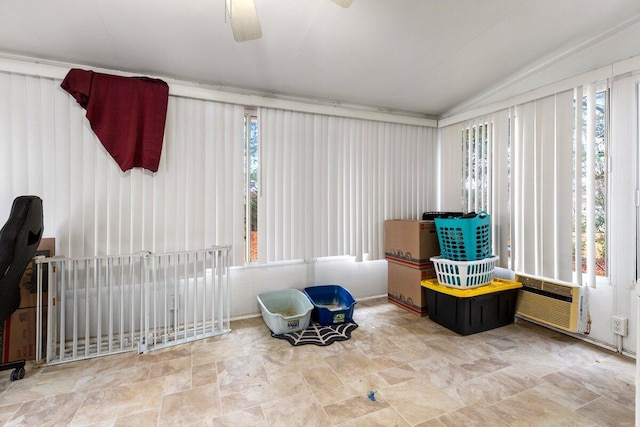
{"x": 91, "y": 206}
{"x": 328, "y": 183}
{"x": 540, "y": 169}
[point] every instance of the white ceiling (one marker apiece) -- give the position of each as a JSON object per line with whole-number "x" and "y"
{"x": 427, "y": 57}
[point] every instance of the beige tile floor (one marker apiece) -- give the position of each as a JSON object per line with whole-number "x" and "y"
{"x": 422, "y": 375}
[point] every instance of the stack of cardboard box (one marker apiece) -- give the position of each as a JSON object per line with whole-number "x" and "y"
{"x": 408, "y": 246}
{"x": 19, "y": 330}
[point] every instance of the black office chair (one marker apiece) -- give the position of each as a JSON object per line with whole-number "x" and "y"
{"x": 19, "y": 239}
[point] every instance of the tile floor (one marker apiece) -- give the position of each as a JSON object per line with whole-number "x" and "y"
{"x": 422, "y": 375}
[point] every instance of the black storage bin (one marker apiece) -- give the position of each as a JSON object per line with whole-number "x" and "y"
{"x": 468, "y": 315}
{"x": 430, "y": 216}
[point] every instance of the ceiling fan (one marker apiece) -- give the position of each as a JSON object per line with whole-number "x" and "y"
{"x": 244, "y": 18}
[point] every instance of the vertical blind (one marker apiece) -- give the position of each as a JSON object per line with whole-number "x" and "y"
{"x": 542, "y": 196}
{"x": 328, "y": 183}
{"x": 485, "y": 174}
{"x": 195, "y": 199}
{"x": 531, "y": 154}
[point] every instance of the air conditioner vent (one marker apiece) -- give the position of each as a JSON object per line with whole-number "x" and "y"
{"x": 553, "y": 303}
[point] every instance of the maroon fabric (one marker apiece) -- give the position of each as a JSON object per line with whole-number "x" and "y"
{"x": 127, "y": 114}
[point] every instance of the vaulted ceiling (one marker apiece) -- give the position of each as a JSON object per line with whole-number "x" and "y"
{"x": 426, "y": 57}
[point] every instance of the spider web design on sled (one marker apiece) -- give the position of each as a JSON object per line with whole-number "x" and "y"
{"x": 319, "y": 335}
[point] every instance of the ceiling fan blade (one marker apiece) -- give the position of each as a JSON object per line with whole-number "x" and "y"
{"x": 343, "y": 3}
{"x": 244, "y": 20}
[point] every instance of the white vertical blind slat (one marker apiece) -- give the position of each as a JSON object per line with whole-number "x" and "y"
{"x": 5, "y": 135}
{"x": 518, "y": 190}
{"x": 510, "y": 197}
{"x": 451, "y": 172}
{"x": 18, "y": 125}
{"x": 564, "y": 185}
{"x": 47, "y": 136}
{"x": 529, "y": 200}
{"x": 590, "y": 193}
{"x": 499, "y": 185}
{"x": 578, "y": 205}
{"x": 546, "y": 186}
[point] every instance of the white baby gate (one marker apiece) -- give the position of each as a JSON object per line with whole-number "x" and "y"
{"x": 104, "y": 305}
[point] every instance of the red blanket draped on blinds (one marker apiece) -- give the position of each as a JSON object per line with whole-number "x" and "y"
{"x": 127, "y": 114}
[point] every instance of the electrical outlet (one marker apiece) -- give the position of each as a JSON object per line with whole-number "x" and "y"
{"x": 619, "y": 325}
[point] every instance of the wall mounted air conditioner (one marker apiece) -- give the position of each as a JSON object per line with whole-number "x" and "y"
{"x": 551, "y": 302}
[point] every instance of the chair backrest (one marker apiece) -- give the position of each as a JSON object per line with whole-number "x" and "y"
{"x": 19, "y": 239}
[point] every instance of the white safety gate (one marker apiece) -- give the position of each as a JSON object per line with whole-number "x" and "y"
{"x": 104, "y": 305}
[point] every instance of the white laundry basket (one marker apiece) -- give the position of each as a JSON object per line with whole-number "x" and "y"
{"x": 464, "y": 274}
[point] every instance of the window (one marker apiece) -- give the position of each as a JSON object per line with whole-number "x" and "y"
{"x": 540, "y": 169}
{"x": 475, "y": 167}
{"x": 594, "y": 179}
{"x": 251, "y": 165}
{"x": 327, "y": 183}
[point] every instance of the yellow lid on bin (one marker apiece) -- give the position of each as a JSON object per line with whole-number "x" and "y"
{"x": 497, "y": 285}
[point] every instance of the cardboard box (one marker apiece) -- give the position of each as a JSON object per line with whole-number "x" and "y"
{"x": 410, "y": 242}
{"x": 19, "y": 335}
{"x": 18, "y": 332}
{"x": 28, "y": 284}
{"x": 405, "y": 288}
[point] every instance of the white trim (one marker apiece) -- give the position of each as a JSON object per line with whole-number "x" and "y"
{"x": 628, "y": 65}
{"x": 612, "y": 71}
{"x": 542, "y": 92}
{"x": 58, "y": 70}
{"x": 579, "y": 336}
{"x": 546, "y": 62}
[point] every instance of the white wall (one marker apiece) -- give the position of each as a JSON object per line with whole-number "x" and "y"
{"x": 622, "y": 221}
{"x": 362, "y": 279}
